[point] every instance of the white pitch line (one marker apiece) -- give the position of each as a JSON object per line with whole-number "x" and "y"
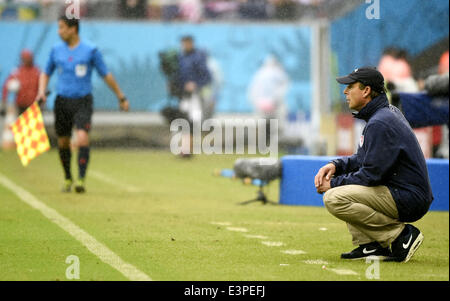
{"x": 343, "y": 271}
{"x": 256, "y": 236}
{"x": 235, "y": 229}
{"x": 104, "y": 178}
{"x": 221, "y": 223}
{"x": 293, "y": 252}
{"x": 94, "y": 246}
{"x": 273, "y": 243}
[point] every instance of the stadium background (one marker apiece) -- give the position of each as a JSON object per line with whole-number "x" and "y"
{"x": 314, "y": 44}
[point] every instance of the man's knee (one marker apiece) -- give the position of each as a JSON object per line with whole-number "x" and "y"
{"x": 64, "y": 142}
{"x": 329, "y": 199}
{"x": 82, "y": 138}
{"x": 334, "y": 200}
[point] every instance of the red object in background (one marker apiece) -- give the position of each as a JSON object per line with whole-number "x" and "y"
{"x": 443, "y": 63}
{"x": 394, "y": 69}
{"x": 29, "y": 84}
{"x": 437, "y": 135}
{"x": 437, "y": 129}
{"x": 345, "y": 145}
{"x": 424, "y": 136}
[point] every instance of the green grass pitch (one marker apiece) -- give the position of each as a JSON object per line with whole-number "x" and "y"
{"x": 173, "y": 220}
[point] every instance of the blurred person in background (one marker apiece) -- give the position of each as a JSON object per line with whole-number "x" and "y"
{"x": 169, "y": 9}
{"x": 195, "y": 81}
{"x": 253, "y": 9}
{"x": 133, "y": 9}
{"x": 421, "y": 108}
{"x": 396, "y": 70}
{"x": 74, "y": 60}
{"x": 191, "y": 10}
{"x": 24, "y": 81}
{"x": 194, "y": 75}
{"x": 220, "y": 8}
{"x": 430, "y": 107}
{"x": 284, "y": 9}
{"x": 267, "y": 92}
{"x": 437, "y": 86}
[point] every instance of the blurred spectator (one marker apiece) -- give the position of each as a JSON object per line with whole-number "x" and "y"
{"x": 285, "y": 9}
{"x": 24, "y": 81}
{"x": 267, "y": 91}
{"x": 51, "y": 9}
{"x": 169, "y": 9}
{"x": 394, "y": 66}
{"x": 100, "y": 9}
{"x": 133, "y": 9}
{"x": 191, "y": 10}
{"x": 429, "y": 108}
{"x": 220, "y": 8}
{"x": 438, "y": 86}
{"x": 253, "y": 9}
{"x": 194, "y": 76}
{"x": 195, "y": 81}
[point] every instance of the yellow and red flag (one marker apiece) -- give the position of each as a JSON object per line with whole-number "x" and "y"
{"x": 30, "y": 135}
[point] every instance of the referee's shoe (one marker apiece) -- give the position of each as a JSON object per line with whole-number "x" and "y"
{"x": 79, "y": 186}
{"x": 406, "y": 244}
{"x": 67, "y": 186}
{"x": 372, "y": 249}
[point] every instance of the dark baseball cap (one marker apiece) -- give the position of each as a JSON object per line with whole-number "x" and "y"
{"x": 368, "y": 76}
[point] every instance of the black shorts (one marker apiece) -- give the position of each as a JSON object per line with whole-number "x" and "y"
{"x": 72, "y": 111}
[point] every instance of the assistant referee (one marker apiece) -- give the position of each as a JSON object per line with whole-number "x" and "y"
{"x": 74, "y": 60}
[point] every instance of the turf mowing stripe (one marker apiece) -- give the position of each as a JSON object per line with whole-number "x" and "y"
{"x": 104, "y": 178}
{"x": 97, "y": 248}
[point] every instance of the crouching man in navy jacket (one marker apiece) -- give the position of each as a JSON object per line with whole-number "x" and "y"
{"x": 385, "y": 184}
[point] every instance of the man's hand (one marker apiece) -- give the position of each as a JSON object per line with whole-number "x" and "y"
{"x": 323, "y": 177}
{"x": 324, "y": 187}
{"x": 41, "y": 98}
{"x": 124, "y": 104}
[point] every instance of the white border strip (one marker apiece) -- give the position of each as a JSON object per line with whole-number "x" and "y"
{"x": 97, "y": 248}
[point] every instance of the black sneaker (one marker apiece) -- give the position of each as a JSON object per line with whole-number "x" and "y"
{"x": 406, "y": 244}
{"x": 373, "y": 249}
{"x": 79, "y": 186}
{"x": 67, "y": 186}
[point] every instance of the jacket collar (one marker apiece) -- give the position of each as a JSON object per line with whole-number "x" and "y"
{"x": 374, "y": 105}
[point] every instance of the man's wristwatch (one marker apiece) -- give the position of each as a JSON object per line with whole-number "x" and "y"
{"x": 123, "y": 99}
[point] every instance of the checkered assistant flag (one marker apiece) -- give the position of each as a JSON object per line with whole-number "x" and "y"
{"x": 30, "y": 135}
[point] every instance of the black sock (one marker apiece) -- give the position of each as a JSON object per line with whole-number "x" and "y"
{"x": 83, "y": 159}
{"x": 65, "y": 154}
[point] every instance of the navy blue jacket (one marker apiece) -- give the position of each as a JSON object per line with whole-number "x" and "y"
{"x": 193, "y": 67}
{"x": 388, "y": 154}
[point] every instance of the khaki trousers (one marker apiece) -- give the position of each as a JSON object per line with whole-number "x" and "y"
{"x": 370, "y": 212}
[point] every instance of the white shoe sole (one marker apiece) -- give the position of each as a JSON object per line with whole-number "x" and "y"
{"x": 416, "y": 244}
{"x": 370, "y": 257}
